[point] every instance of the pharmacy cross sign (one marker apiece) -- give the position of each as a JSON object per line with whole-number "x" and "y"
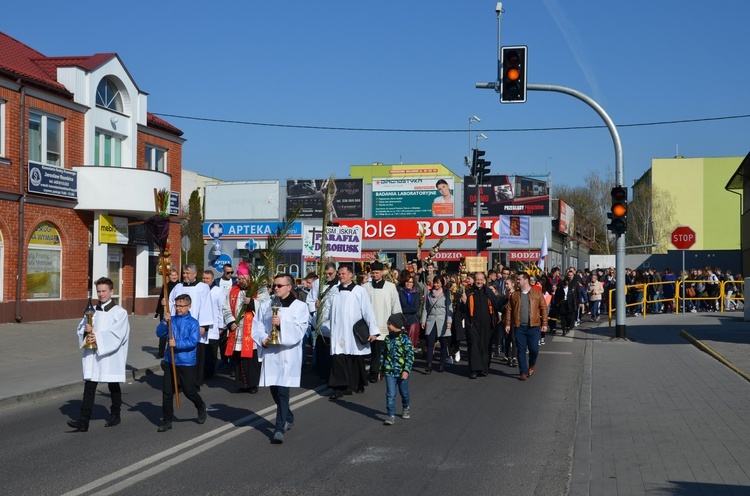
{"x": 216, "y": 230}
{"x": 683, "y": 238}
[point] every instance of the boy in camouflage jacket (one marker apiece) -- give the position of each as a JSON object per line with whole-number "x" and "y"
{"x": 396, "y": 361}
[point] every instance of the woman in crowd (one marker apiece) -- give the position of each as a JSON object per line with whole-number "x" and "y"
{"x": 437, "y": 319}
{"x": 567, "y": 298}
{"x": 410, "y": 302}
{"x": 595, "y": 290}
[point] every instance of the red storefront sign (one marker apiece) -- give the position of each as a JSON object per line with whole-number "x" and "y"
{"x": 389, "y": 229}
{"x": 524, "y": 256}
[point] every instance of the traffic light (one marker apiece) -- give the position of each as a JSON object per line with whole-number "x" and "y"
{"x": 618, "y": 215}
{"x": 513, "y": 77}
{"x": 484, "y": 239}
{"x": 479, "y": 166}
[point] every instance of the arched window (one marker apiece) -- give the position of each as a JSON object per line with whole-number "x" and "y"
{"x": 43, "y": 267}
{"x": 108, "y": 96}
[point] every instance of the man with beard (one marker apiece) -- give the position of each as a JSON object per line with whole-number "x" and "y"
{"x": 201, "y": 310}
{"x": 239, "y": 309}
{"x": 479, "y": 304}
{"x": 347, "y": 306}
{"x": 385, "y": 302}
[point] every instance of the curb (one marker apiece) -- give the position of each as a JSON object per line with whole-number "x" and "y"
{"x": 707, "y": 349}
{"x": 130, "y": 375}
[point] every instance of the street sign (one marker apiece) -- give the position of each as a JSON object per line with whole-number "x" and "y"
{"x": 185, "y": 243}
{"x": 251, "y": 245}
{"x": 683, "y": 238}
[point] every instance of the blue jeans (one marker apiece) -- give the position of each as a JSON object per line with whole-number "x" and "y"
{"x": 284, "y": 414}
{"x": 595, "y": 308}
{"x": 390, "y": 393}
{"x": 527, "y": 338}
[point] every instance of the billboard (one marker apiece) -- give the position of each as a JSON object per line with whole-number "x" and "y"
{"x": 242, "y": 200}
{"x": 565, "y": 219}
{"x": 413, "y": 197}
{"x": 341, "y": 242}
{"x": 505, "y": 195}
{"x": 307, "y": 195}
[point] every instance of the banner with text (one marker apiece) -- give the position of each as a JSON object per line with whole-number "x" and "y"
{"x": 307, "y": 195}
{"x": 412, "y": 197}
{"x": 514, "y": 230}
{"x": 341, "y": 242}
{"x": 505, "y": 195}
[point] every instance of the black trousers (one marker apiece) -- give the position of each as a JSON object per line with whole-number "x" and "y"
{"x": 347, "y": 373}
{"x": 200, "y": 363}
{"x": 89, "y": 393}
{"x": 375, "y": 348}
{"x": 210, "y": 366}
{"x": 284, "y": 414}
{"x": 431, "y": 338}
{"x": 186, "y": 379}
{"x": 246, "y": 371}
{"x": 322, "y": 360}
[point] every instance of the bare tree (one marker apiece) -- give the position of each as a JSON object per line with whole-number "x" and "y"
{"x": 651, "y": 219}
{"x": 592, "y": 202}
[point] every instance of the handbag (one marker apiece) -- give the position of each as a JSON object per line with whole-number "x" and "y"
{"x": 690, "y": 292}
{"x": 361, "y": 331}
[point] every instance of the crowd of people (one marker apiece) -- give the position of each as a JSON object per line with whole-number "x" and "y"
{"x": 384, "y": 316}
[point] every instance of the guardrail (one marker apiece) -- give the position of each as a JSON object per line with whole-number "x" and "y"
{"x": 722, "y": 299}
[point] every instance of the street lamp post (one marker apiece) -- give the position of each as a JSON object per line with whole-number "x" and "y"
{"x": 473, "y": 118}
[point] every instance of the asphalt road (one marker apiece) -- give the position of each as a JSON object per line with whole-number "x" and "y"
{"x": 487, "y": 436}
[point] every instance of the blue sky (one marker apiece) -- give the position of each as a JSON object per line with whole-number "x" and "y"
{"x": 413, "y": 65}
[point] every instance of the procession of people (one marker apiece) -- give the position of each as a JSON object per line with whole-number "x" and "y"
{"x": 387, "y": 319}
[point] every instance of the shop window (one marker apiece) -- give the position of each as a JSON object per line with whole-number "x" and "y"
{"x": 43, "y": 274}
{"x": 108, "y": 96}
{"x": 45, "y": 139}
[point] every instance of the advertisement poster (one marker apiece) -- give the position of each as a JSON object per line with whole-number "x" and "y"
{"x": 505, "y": 195}
{"x": 412, "y": 197}
{"x": 514, "y": 230}
{"x": 307, "y": 194}
{"x": 341, "y": 242}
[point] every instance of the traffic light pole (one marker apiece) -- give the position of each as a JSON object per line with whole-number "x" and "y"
{"x": 620, "y": 330}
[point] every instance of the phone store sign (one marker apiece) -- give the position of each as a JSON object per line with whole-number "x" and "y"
{"x": 397, "y": 229}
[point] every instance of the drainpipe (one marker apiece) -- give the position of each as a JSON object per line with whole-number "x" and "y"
{"x": 21, "y": 200}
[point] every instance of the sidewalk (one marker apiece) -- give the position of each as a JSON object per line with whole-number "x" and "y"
{"x": 659, "y": 416}
{"x": 38, "y": 359}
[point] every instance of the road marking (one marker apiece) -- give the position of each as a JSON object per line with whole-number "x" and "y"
{"x": 555, "y": 352}
{"x": 206, "y": 442}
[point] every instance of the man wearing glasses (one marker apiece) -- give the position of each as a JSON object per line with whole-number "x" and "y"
{"x": 281, "y": 364}
{"x": 227, "y": 280}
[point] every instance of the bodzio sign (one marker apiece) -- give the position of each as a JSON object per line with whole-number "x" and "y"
{"x": 409, "y": 228}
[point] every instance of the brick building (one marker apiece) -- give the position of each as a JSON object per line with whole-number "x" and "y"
{"x": 80, "y": 157}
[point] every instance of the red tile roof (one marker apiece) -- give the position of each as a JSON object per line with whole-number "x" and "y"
{"x": 18, "y": 60}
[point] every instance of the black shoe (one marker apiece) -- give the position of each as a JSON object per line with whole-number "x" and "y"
{"x": 165, "y": 426}
{"x": 253, "y": 390}
{"x": 428, "y": 370}
{"x": 113, "y": 421}
{"x": 483, "y": 374}
{"x": 440, "y": 369}
{"x": 202, "y": 415}
{"x": 336, "y": 395}
{"x": 473, "y": 375}
{"x": 373, "y": 379}
{"x": 79, "y": 425}
{"x": 360, "y": 390}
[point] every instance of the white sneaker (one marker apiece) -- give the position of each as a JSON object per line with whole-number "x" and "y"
{"x": 390, "y": 420}
{"x": 542, "y": 341}
{"x": 406, "y": 414}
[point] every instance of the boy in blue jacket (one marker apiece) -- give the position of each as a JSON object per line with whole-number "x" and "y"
{"x": 185, "y": 336}
{"x": 396, "y": 361}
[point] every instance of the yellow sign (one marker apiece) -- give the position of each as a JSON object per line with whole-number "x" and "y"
{"x": 367, "y": 172}
{"x": 45, "y": 235}
{"x": 475, "y": 264}
{"x": 113, "y": 230}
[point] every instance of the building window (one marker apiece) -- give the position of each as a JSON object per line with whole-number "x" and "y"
{"x": 107, "y": 150}
{"x": 108, "y": 96}
{"x": 45, "y": 139}
{"x": 43, "y": 264}
{"x": 156, "y": 158}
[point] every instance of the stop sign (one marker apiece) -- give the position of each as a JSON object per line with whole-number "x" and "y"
{"x": 683, "y": 238}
